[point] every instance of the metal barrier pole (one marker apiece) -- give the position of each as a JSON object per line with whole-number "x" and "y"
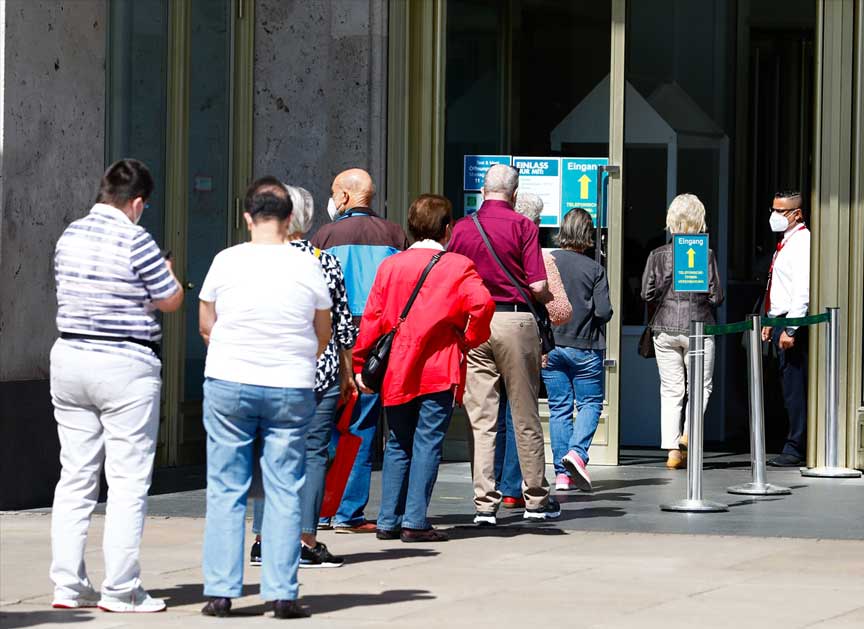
{"x": 759, "y": 486}
{"x": 696, "y": 408}
{"x": 832, "y": 468}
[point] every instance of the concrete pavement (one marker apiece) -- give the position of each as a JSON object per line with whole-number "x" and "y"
{"x": 518, "y": 575}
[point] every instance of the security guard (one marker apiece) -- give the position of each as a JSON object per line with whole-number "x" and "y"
{"x": 788, "y": 295}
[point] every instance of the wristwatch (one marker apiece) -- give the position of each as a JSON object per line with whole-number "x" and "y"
{"x": 791, "y": 331}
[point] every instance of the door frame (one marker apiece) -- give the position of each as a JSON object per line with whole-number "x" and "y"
{"x": 170, "y": 451}
{"x": 415, "y": 153}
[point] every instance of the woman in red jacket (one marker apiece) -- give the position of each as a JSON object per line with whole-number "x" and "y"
{"x": 426, "y": 372}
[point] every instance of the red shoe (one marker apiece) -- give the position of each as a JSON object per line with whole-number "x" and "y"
{"x": 511, "y": 502}
{"x": 365, "y": 527}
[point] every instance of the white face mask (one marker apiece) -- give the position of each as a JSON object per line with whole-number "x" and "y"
{"x": 778, "y": 222}
{"x": 332, "y": 210}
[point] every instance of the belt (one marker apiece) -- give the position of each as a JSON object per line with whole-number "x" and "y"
{"x": 512, "y": 308}
{"x": 153, "y": 347}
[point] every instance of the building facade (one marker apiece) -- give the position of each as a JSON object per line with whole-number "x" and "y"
{"x": 729, "y": 99}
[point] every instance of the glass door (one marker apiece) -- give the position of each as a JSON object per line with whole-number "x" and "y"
{"x": 174, "y": 103}
{"x": 540, "y": 79}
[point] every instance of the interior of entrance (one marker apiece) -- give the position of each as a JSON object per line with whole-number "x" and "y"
{"x": 718, "y": 102}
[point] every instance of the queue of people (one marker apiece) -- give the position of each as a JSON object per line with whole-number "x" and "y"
{"x": 472, "y": 312}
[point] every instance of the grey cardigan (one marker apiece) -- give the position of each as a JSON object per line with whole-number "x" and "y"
{"x": 588, "y": 293}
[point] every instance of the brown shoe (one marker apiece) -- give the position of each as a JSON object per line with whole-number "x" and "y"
{"x": 676, "y": 460}
{"x": 366, "y": 527}
{"x": 419, "y": 535}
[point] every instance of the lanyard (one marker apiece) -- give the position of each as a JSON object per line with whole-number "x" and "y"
{"x": 780, "y": 246}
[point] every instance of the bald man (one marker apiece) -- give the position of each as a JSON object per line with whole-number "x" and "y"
{"x": 361, "y": 240}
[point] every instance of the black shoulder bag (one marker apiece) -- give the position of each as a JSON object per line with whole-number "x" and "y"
{"x": 379, "y": 356}
{"x": 541, "y": 315}
{"x": 646, "y": 341}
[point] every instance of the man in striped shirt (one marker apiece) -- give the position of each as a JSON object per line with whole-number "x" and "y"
{"x": 105, "y": 387}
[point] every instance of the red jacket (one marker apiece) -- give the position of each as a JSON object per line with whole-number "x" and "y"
{"x": 451, "y": 315}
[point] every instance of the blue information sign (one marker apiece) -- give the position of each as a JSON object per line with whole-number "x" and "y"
{"x": 690, "y": 263}
{"x": 476, "y": 167}
{"x": 579, "y": 184}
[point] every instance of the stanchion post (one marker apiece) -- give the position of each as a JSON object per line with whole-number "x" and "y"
{"x": 759, "y": 486}
{"x": 696, "y": 410}
{"x": 832, "y": 468}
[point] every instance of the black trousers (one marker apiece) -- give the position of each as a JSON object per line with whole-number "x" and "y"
{"x": 793, "y": 378}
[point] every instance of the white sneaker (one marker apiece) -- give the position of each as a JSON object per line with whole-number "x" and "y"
{"x": 81, "y": 601}
{"x": 139, "y": 603}
{"x": 485, "y": 519}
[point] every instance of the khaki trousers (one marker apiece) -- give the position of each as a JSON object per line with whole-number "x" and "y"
{"x": 511, "y": 353}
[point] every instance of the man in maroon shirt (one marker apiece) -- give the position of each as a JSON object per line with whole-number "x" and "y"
{"x": 513, "y": 351}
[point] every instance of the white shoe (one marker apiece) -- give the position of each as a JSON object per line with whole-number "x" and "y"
{"x": 82, "y": 601}
{"x": 485, "y": 519}
{"x": 137, "y": 604}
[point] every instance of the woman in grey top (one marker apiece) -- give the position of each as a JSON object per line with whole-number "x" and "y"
{"x": 574, "y": 371}
{"x": 675, "y": 311}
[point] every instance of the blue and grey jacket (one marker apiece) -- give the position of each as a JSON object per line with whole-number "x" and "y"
{"x": 361, "y": 240}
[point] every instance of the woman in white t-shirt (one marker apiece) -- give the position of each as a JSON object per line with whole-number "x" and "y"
{"x": 265, "y": 329}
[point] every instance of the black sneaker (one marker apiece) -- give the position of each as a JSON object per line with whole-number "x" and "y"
{"x": 289, "y": 609}
{"x": 786, "y": 460}
{"x": 549, "y": 511}
{"x": 319, "y": 557}
{"x": 255, "y": 554}
{"x": 217, "y": 606}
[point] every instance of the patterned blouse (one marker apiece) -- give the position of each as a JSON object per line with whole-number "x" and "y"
{"x": 344, "y": 331}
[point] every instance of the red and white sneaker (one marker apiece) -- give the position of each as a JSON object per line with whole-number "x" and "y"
{"x": 513, "y": 502}
{"x": 576, "y": 466}
{"x": 82, "y": 601}
{"x": 563, "y": 482}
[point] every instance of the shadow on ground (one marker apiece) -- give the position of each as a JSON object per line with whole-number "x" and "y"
{"x": 330, "y": 603}
{"x": 17, "y": 620}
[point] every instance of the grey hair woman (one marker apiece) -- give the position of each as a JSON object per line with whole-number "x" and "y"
{"x": 673, "y": 313}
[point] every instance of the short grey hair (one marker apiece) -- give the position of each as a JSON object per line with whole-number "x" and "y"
{"x": 502, "y": 179}
{"x": 686, "y": 215}
{"x": 302, "y": 212}
{"x": 577, "y": 230}
{"x": 530, "y": 205}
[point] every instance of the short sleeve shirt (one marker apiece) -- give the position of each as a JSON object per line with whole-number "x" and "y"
{"x": 516, "y": 241}
{"x": 108, "y": 271}
{"x": 266, "y": 297}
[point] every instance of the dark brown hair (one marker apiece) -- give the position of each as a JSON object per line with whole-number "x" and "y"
{"x": 429, "y": 216}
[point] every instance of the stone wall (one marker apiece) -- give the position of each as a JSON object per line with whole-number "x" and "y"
{"x": 51, "y": 156}
{"x": 320, "y": 92}
{"x": 53, "y": 148}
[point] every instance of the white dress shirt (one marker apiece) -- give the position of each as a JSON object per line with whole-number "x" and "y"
{"x": 790, "y": 281}
{"x": 427, "y": 244}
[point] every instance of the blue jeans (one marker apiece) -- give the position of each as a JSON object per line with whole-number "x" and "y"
{"x": 364, "y": 424}
{"x": 411, "y": 459}
{"x": 507, "y": 470}
{"x": 317, "y": 460}
{"x": 235, "y": 415}
{"x": 573, "y": 376}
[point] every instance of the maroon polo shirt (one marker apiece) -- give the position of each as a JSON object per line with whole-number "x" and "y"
{"x": 516, "y": 241}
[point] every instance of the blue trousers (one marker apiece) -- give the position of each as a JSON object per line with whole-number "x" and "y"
{"x": 411, "y": 459}
{"x": 235, "y": 415}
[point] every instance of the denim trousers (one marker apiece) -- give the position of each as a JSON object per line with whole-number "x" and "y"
{"x": 364, "y": 424}
{"x": 235, "y": 415}
{"x": 317, "y": 461}
{"x": 573, "y": 376}
{"x": 411, "y": 459}
{"x": 507, "y": 471}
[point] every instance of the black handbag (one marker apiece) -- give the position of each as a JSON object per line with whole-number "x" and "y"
{"x": 541, "y": 314}
{"x": 379, "y": 356}
{"x": 646, "y": 341}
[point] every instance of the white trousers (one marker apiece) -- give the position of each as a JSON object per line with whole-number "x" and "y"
{"x": 673, "y": 358}
{"x": 107, "y": 411}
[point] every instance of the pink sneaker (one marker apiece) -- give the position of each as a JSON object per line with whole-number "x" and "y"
{"x": 576, "y": 466}
{"x": 564, "y": 483}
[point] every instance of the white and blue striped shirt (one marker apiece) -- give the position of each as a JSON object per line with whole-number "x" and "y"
{"x": 108, "y": 271}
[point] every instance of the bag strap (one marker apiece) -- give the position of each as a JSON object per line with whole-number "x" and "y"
{"x": 528, "y": 302}
{"x": 422, "y": 279}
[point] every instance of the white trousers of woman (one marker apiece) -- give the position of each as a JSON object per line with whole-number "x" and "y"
{"x": 673, "y": 358}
